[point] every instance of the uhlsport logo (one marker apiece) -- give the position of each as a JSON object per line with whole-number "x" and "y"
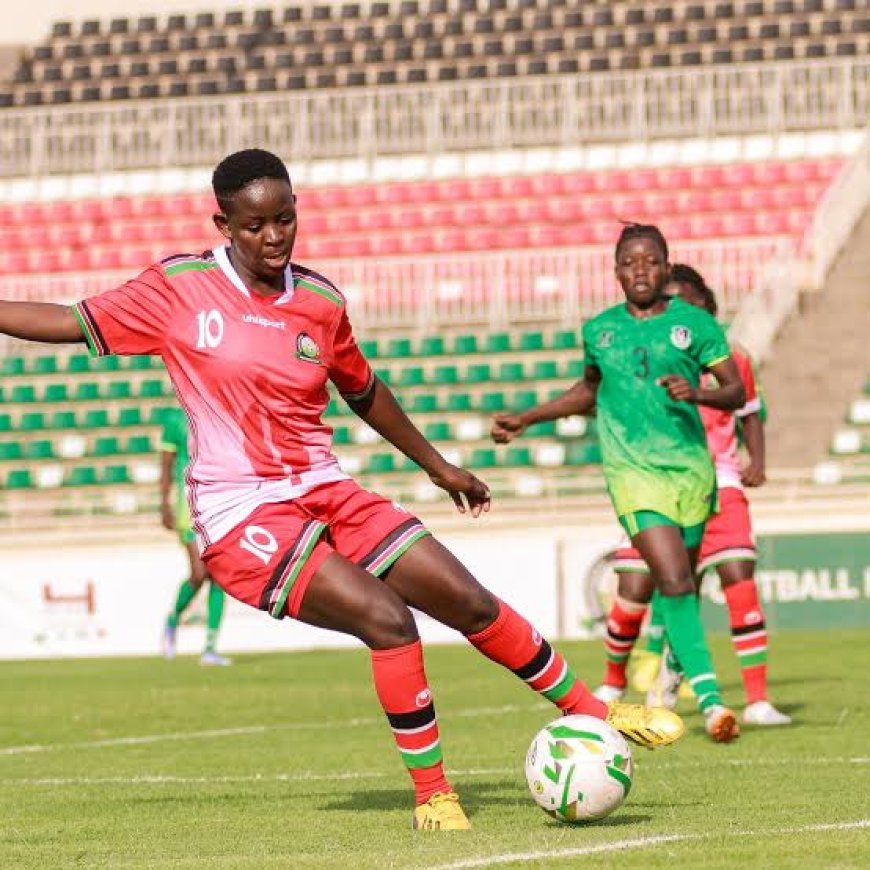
{"x": 307, "y": 349}
{"x": 536, "y": 637}
{"x": 681, "y": 337}
{"x": 423, "y": 698}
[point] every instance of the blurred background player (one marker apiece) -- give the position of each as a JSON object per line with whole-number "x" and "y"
{"x": 644, "y": 360}
{"x": 175, "y": 516}
{"x": 728, "y": 546}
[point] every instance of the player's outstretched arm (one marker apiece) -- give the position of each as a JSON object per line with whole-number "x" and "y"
{"x": 579, "y": 400}
{"x": 40, "y": 321}
{"x": 729, "y": 395}
{"x": 381, "y": 411}
{"x": 753, "y": 437}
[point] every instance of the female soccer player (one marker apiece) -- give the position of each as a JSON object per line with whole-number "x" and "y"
{"x": 250, "y": 340}
{"x": 728, "y": 544}
{"x": 644, "y": 359}
{"x": 175, "y": 516}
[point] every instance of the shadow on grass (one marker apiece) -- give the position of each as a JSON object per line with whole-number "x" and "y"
{"x": 617, "y": 820}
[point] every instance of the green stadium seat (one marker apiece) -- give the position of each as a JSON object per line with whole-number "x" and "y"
{"x": 575, "y": 368}
{"x": 22, "y": 393}
{"x": 546, "y": 429}
{"x": 139, "y": 444}
{"x": 478, "y": 373}
{"x": 498, "y": 342}
{"x": 157, "y": 414}
{"x": 408, "y": 465}
{"x": 424, "y": 403}
{"x": 87, "y": 391}
{"x": 545, "y": 370}
{"x": 56, "y": 393}
{"x": 5, "y": 422}
{"x": 119, "y": 390}
{"x": 399, "y": 347}
{"x": 151, "y": 388}
{"x": 532, "y": 341}
{"x": 432, "y": 345}
{"x": 492, "y": 402}
{"x": 341, "y": 435}
{"x": 458, "y": 402}
{"x": 13, "y": 365}
{"x": 139, "y": 363}
{"x": 129, "y": 417}
{"x": 96, "y": 418}
{"x": 565, "y": 339}
{"x": 439, "y": 431}
{"x": 19, "y": 478}
{"x": 10, "y": 450}
{"x": 522, "y": 400}
{"x": 381, "y": 463}
{"x": 385, "y": 375}
{"x": 110, "y": 363}
{"x": 369, "y": 348}
{"x": 464, "y": 344}
{"x": 482, "y": 457}
{"x": 445, "y": 375}
{"x": 510, "y": 372}
{"x": 40, "y": 449}
{"x": 81, "y": 475}
{"x": 63, "y": 420}
{"x": 32, "y": 421}
{"x": 411, "y": 377}
{"x": 77, "y": 363}
{"x": 112, "y": 474}
{"x": 517, "y": 457}
{"x": 583, "y": 452}
{"x": 106, "y": 445}
{"x": 44, "y": 365}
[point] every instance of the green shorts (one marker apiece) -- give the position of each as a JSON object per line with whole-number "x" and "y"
{"x": 639, "y": 521}
{"x": 183, "y": 523}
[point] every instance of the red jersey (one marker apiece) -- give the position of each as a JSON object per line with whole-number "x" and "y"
{"x": 250, "y": 372}
{"x": 721, "y": 426}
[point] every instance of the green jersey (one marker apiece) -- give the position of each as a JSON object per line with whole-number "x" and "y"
{"x": 174, "y": 440}
{"x": 654, "y": 450}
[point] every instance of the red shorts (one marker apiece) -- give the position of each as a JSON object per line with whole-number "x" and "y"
{"x": 727, "y": 537}
{"x": 268, "y": 560}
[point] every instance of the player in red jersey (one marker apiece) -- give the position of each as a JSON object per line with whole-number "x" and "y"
{"x": 250, "y": 340}
{"x": 728, "y": 546}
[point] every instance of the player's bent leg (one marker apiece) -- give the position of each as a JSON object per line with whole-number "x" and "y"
{"x": 431, "y": 579}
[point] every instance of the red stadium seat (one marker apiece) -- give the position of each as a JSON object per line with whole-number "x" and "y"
{"x": 516, "y": 187}
{"x": 515, "y": 238}
{"x": 454, "y": 189}
{"x": 468, "y": 215}
{"x": 484, "y": 188}
{"x": 104, "y": 259}
{"x": 342, "y": 222}
{"x": 390, "y": 194}
{"x": 447, "y": 240}
{"x": 417, "y": 243}
{"x": 706, "y": 177}
{"x": 501, "y": 214}
{"x": 674, "y": 178}
{"x": 737, "y": 175}
{"x": 364, "y": 194}
{"x": 354, "y": 247}
{"x": 438, "y": 216}
{"x": 547, "y": 185}
{"x": 768, "y": 174}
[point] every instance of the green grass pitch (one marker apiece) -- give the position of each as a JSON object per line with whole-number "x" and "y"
{"x": 285, "y": 760}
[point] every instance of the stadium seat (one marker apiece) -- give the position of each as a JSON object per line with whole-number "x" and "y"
{"x": 139, "y": 444}
{"x": 10, "y": 450}
{"x": 423, "y": 403}
{"x": 482, "y": 457}
{"x": 129, "y": 417}
{"x": 19, "y": 478}
{"x": 106, "y": 445}
{"x": 81, "y": 475}
{"x": 39, "y": 449}
{"x": 86, "y": 391}
{"x": 114, "y": 474}
{"x": 56, "y": 393}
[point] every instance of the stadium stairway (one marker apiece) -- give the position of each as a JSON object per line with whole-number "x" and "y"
{"x": 821, "y": 360}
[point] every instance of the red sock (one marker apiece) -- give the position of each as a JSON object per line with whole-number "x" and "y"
{"x": 623, "y": 628}
{"x": 749, "y": 636}
{"x": 400, "y": 682}
{"x": 512, "y": 642}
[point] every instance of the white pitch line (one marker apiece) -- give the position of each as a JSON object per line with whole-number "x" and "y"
{"x": 640, "y": 843}
{"x": 313, "y": 776}
{"x": 26, "y": 749}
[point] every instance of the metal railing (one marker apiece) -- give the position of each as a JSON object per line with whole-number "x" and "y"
{"x": 364, "y": 123}
{"x": 419, "y": 292}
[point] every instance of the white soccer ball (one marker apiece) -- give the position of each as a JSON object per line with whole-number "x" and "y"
{"x": 579, "y": 769}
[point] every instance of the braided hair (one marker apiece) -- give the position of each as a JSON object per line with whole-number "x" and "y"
{"x": 238, "y": 170}
{"x": 631, "y": 231}
{"x": 683, "y": 274}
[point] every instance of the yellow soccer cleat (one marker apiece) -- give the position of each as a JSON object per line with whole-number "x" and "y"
{"x": 646, "y": 726}
{"x": 643, "y": 668}
{"x": 441, "y": 812}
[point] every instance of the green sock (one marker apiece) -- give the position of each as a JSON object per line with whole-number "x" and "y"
{"x": 685, "y": 633}
{"x": 186, "y": 594}
{"x": 655, "y": 629}
{"x": 215, "y": 614}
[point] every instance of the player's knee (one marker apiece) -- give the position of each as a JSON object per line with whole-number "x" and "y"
{"x": 676, "y": 585}
{"x": 479, "y": 609}
{"x": 391, "y": 625}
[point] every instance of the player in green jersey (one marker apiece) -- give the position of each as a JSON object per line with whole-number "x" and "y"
{"x": 644, "y": 359}
{"x": 175, "y": 516}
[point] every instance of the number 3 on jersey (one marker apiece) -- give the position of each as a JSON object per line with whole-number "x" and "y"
{"x": 211, "y": 329}
{"x": 641, "y": 357}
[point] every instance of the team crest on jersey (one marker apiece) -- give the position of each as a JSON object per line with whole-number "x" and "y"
{"x": 605, "y": 339}
{"x": 307, "y": 349}
{"x": 681, "y": 337}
